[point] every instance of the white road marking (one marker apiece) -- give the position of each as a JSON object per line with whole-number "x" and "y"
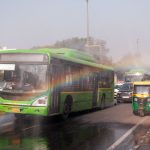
{"x": 122, "y": 138}
{"x": 6, "y": 124}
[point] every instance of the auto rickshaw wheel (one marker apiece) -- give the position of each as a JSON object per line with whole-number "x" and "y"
{"x": 135, "y": 113}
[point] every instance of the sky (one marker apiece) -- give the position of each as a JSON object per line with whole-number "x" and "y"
{"x": 123, "y": 24}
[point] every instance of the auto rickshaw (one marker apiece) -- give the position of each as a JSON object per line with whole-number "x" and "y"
{"x": 141, "y": 98}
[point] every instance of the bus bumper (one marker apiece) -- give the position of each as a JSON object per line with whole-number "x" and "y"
{"x": 29, "y": 110}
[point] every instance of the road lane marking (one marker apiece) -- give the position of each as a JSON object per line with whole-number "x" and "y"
{"x": 122, "y": 138}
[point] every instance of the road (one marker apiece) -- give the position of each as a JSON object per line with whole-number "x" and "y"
{"x": 112, "y": 128}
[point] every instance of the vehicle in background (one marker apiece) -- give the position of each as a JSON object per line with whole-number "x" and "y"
{"x": 125, "y": 92}
{"x": 116, "y": 89}
{"x": 146, "y": 76}
{"x": 134, "y": 75}
{"x": 141, "y": 98}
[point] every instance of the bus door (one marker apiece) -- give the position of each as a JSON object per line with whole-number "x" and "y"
{"x": 95, "y": 89}
{"x": 56, "y": 84}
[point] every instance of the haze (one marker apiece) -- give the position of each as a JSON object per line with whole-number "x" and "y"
{"x": 121, "y": 23}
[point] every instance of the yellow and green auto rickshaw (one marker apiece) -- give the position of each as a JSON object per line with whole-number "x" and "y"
{"x": 141, "y": 98}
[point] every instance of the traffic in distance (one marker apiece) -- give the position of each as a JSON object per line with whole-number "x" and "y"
{"x": 48, "y": 82}
{"x": 136, "y": 89}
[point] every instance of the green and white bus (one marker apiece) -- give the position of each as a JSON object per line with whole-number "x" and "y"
{"x": 53, "y": 81}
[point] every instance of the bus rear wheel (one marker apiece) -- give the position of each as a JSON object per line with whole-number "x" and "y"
{"x": 66, "y": 111}
{"x": 102, "y": 105}
{"x": 67, "y": 106}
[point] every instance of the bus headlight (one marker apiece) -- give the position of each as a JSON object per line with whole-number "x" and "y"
{"x": 42, "y": 101}
{"x": 135, "y": 99}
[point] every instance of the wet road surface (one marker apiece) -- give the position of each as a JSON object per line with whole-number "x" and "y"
{"x": 97, "y": 130}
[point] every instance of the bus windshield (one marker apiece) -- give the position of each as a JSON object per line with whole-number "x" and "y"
{"x": 142, "y": 89}
{"x": 20, "y": 78}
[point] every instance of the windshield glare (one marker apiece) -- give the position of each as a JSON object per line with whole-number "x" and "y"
{"x": 24, "y": 78}
{"x": 118, "y": 86}
{"x": 126, "y": 87}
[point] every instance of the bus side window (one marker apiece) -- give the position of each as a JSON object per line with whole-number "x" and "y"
{"x": 85, "y": 78}
{"x": 105, "y": 79}
{"x": 68, "y": 75}
{"x": 75, "y": 77}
